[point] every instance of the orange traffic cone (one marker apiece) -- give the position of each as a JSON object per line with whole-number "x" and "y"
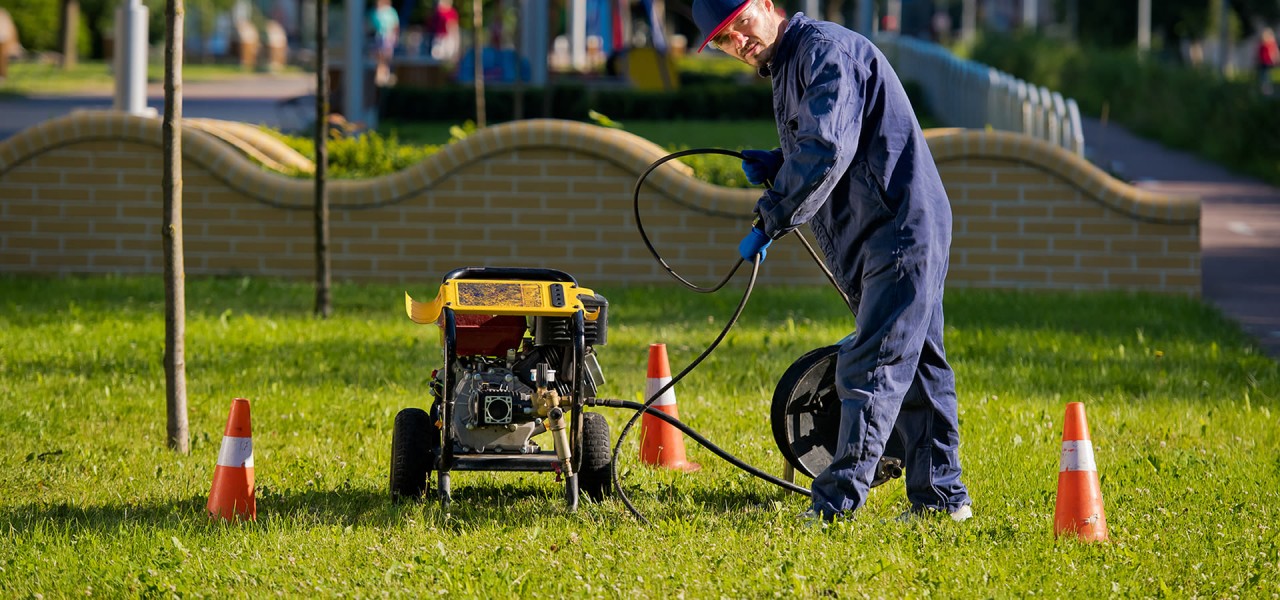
{"x": 232, "y": 495}
{"x": 662, "y": 444}
{"x": 1079, "y": 509}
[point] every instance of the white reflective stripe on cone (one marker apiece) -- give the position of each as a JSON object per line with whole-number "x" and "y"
{"x": 1077, "y": 455}
{"x": 236, "y": 452}
{"x": 654, "y": 384}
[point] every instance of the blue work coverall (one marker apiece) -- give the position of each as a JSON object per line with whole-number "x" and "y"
{"x": 857, "y": 169}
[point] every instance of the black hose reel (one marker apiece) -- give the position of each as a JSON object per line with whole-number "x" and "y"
{"x": 805, "y": 416}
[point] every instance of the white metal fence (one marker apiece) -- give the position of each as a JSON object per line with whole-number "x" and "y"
{"x": 964, "y": 93}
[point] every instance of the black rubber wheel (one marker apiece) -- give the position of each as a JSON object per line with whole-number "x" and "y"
{"x": 594, "y": 474}
{"x": 805, "y": 417}
{"x": 414, "y": 440}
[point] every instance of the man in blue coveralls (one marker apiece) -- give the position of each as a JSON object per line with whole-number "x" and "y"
{"x": 854, "y": 165}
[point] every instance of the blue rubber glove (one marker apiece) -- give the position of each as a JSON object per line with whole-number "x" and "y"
{"x": 761, "y": 165}
{"x": 755, "y": 243}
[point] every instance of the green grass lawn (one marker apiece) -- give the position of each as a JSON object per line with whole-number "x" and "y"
{"x": 1182, "y": 409}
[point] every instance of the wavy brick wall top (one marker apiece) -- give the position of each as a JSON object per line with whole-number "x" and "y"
{"x": 81, "y": 195}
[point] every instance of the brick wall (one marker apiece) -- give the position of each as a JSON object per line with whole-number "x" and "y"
{"x": 82, "y": 194}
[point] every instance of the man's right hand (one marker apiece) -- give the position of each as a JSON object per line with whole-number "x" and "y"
{"x": 761, "y": 165}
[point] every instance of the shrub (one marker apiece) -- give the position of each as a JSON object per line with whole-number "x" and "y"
{"x": 1192, "y": 109}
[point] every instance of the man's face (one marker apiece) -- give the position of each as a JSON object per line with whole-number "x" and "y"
{"x": 751, "y": 37}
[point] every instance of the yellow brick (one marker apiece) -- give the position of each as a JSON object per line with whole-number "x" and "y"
{"x": 1182, "y": 245}
{"x": 1050, "y": 194}
{"x": 974, "y": 258}
{"x": 123, "y": 228}
{"x": 380, "y": 247}
{"x": 1023, "y": 178}
{"x": 1080, "y": 245}
{"x": 247, "y": 264}
{"x": 1082, "y": 278}
{"x": 135, "y": 211}
{"x": 1161, "y": 230}
{"x": 94, "y": 178}
{"x": 120, "y": 162}
{"x": 570, "y": 204}
{"x": 1189, "y": 281}
{"x": 1015, "y": 211}
{"x": 1050, "y": 228}
{"x": 478, "y": 187}
{"x": 1138, "y": 246}
{"x": 349, "y": 264}
{"x": 571, "y": 171}
{"x": 496, "y": 169}
{"x": 206, "y": 213}
{"x": 77, "y": 261}
{"x": 393, "y": 265}
{"x": 15, "y": 259}
{"x": 29, "y": 177}
{"x": 1021, "y": 243}
{"x": 424, "y": 249}
{"x": 119, "y": 261}
{"x": 1109, "y": 261}
{"x": 1113, "y": 228}
{"x": 973, "y": 242}
{"x": 90, "y": 211}
{"x": 62, "y": 228}
{"x": 1079, "y": 211}
{"x": 39, "y": 209}
{"x": 24, "y": 242}
{"x": 1164, "y": 262}
{"x": 991, "y": 226}
{"x": 204, "y": 245}
{"x": 99, "y": 147}
{"x": 73, "y": 199}
{"x": 1023, "y": 275}
{"x": 149, "y": 179}
{"x": 992, "y": 194}
{"x": 454, "y": 201}
{"x": 601, "y": 186}
{"x": 143, "y": 245}
{"x": 1032, "y": 259}
{"x": 73, "y": 243}
{"x": 124, "y": 194}
{"x": 1133, "y": 279}
{"x": 512, "y": 202}
{"x": 60, "y": 162}
{"x": 967, "y": 179}
{"x": 541, "y": 187}
{"x": 969, "y": 208}
{"x": 524, "y": 235}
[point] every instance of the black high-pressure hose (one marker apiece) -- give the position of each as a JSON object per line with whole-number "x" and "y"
{"x": 647, "y": 406}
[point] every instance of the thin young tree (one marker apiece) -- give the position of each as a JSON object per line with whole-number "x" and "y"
{"x": 70, "y": 28}
{"x": 175, "y": 303}
{"x": 477, "y": 28}
{"x": 324, "y": 303}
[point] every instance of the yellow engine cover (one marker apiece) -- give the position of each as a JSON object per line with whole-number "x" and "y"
{"x": 500, "y": 297}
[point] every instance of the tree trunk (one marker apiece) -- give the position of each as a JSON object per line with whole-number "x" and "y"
{"x": 324, "y": 303}
{"x": 175, "y": 368}
{"x": 477, "y": 26}
{"x": 70, "y": 31}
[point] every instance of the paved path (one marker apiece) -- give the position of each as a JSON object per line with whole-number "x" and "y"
{"x": 1239, "y": 224}
{"x": 252, "y": 99}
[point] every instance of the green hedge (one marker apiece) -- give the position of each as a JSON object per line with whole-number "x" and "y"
{"x": 701, "y": 101}
{"x": 1226, "y": 121}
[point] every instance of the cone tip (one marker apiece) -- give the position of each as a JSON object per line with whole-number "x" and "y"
{"x": 659, "y": 366}
{"x": 1075, "y": 426}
